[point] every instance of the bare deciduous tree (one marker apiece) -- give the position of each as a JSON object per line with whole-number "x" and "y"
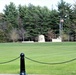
{"x": 14, "y": 35}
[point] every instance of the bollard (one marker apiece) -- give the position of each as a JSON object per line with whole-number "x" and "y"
{"x": 22, "y": 64}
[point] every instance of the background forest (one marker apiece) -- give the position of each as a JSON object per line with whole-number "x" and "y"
{"x": 26, "y": 23}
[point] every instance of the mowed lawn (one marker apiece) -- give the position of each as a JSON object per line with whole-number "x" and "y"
{"x": 43, "y": 52}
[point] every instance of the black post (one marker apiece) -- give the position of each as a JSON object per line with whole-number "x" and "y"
{"x": 22, "y": 64}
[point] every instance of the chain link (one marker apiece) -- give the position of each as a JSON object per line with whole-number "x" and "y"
{"x": 9, "y": 61}
{"x": 63, "y": 62}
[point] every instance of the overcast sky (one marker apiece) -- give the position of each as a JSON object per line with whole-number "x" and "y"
{"x": 48, "y": 3}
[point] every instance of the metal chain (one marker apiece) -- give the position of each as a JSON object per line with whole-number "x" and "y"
{"x": 63, "y": 62}
{"x": 9, "y": 61}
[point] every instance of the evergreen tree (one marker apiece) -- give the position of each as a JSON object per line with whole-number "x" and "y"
{"x": 11, "y": 14}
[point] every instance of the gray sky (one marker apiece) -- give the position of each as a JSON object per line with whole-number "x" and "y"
{"x": 48, "y": 3}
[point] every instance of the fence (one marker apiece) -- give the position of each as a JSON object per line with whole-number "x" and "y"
{"x": 22, "y": 62}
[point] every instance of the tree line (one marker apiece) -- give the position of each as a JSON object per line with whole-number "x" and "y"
{"x": 28, "y": 22}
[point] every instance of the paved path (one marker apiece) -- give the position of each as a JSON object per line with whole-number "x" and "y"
{"x": 27, "y": 74}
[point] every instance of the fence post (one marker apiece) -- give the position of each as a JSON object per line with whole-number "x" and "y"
{"x": 22, "y": 64}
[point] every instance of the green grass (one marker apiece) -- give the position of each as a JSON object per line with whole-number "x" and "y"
{"x": 45, "y": 52}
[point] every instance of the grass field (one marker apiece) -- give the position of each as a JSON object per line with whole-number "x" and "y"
{"x": 45, "y": 52}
